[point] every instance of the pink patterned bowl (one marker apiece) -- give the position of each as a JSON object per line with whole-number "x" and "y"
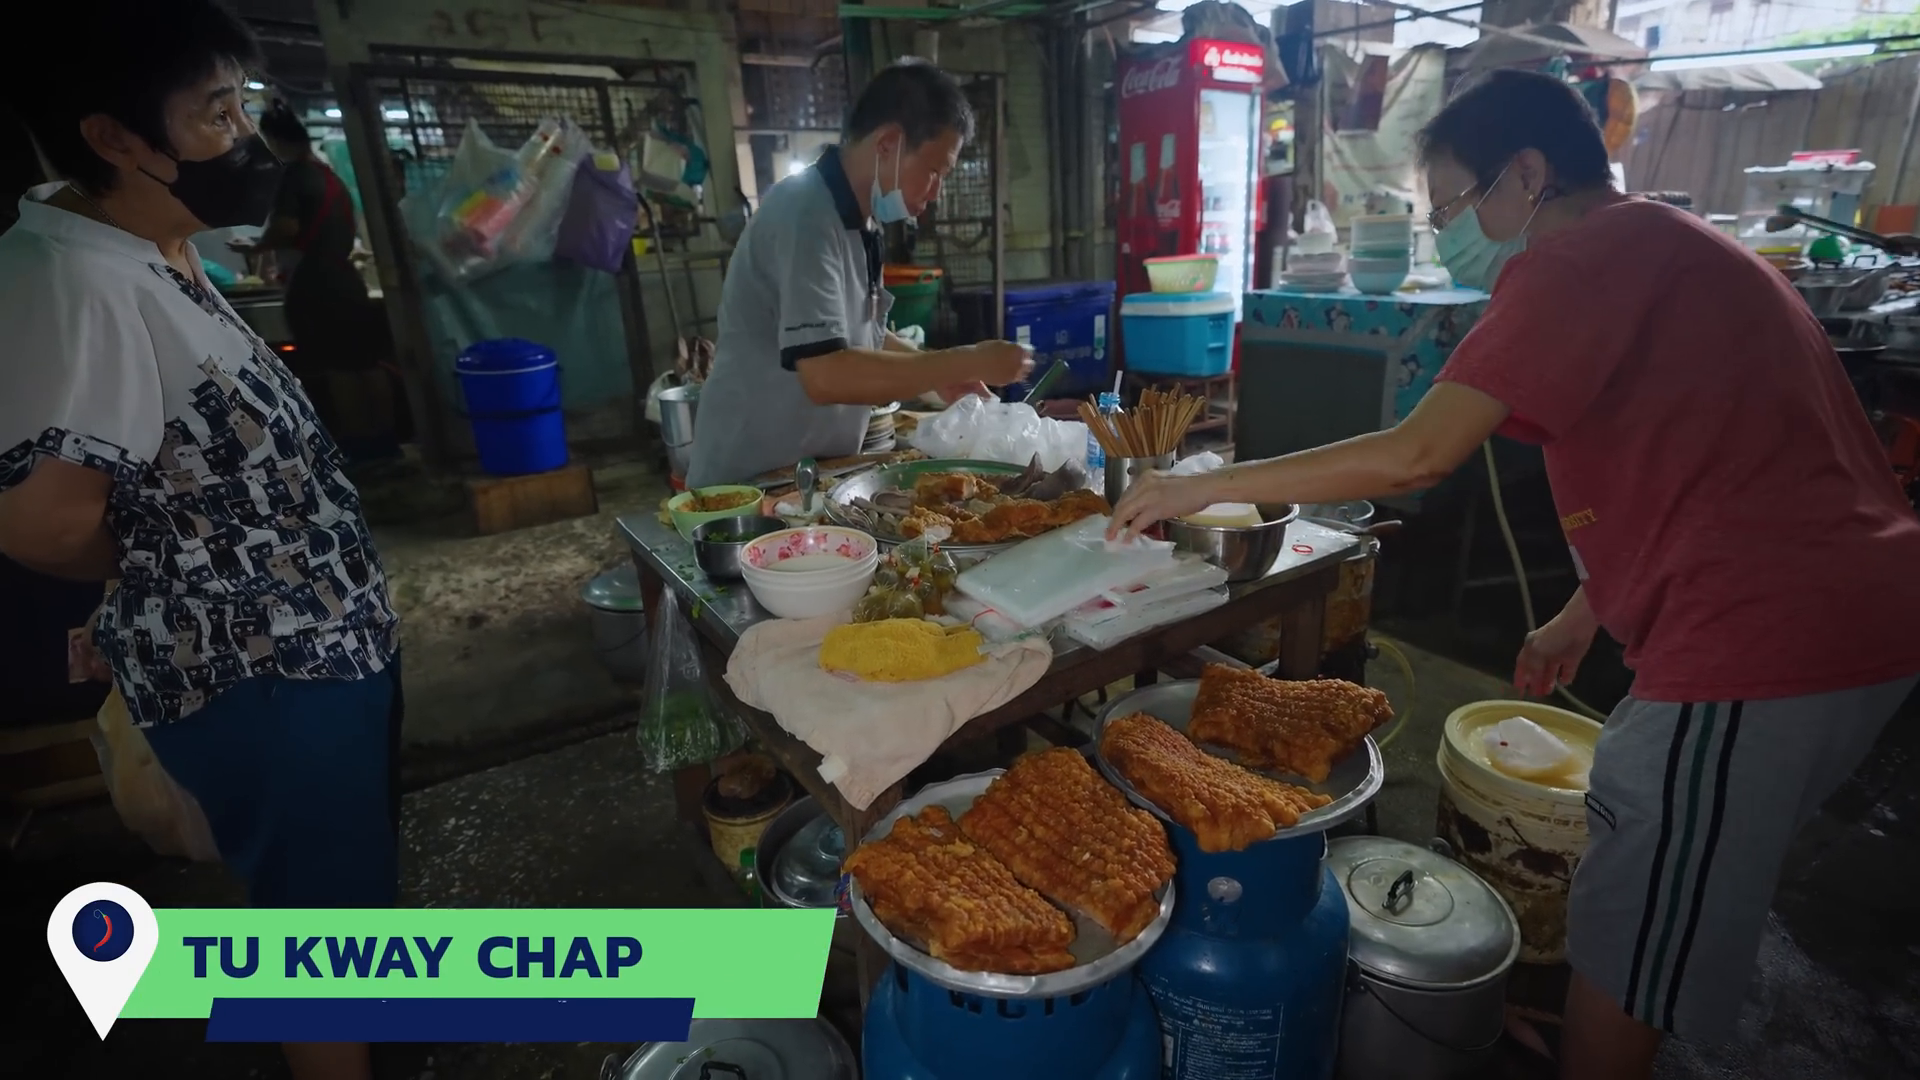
{"x": 815, "y": 549}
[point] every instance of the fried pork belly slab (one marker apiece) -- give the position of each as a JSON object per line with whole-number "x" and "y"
{"x": 1304, "y": 728}
{"x": 945, "y": 894}
{"x": 1225, "y": 806}
{"x": 1066, "y": 832}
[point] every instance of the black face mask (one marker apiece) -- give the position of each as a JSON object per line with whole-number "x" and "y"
{"x": 236, "y": 188}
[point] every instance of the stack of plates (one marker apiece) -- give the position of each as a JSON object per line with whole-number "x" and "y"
{"x": 880, "y": 430}
{"x": 1314, "y": 271}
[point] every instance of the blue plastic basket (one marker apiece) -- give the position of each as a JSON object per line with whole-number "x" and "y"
{"x": 1187, "y": 334}
{"x": 512, "y": 389}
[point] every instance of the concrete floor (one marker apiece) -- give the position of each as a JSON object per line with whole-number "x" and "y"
{"x": 1835, "y": 997}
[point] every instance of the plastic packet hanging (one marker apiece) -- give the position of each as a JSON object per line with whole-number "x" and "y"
{"x": 496, "y": 207}
{"x": 597, "y": 228}
{"x": 680, "y": 722}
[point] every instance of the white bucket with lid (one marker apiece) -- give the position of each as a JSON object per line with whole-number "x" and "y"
{"x": 1524, "y": 837}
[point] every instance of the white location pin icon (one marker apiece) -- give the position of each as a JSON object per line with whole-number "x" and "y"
{"x": 103, "y": 936}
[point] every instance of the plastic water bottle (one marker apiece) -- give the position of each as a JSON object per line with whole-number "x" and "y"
{"x": 1108, "y": 403}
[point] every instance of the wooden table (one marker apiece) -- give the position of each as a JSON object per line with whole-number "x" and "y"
{"x": 1295, "y": 591}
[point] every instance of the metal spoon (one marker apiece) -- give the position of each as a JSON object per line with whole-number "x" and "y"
{"x": 806, "y": 475}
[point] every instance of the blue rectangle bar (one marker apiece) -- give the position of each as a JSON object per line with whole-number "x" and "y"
{"x": 493, "y": 1020}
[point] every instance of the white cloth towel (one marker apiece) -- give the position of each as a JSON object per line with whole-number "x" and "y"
{"x": 869, "y": 735}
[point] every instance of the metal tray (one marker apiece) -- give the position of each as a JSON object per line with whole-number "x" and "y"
{"x": 1099, "y": 958}
{"x": 867, "y": 484}
{"x": 1352, "y": 784}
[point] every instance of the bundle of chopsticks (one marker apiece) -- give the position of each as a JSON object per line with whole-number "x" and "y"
{"x": 1157, "y": 424}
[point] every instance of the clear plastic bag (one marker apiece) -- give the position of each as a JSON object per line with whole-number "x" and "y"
{"x": 494, "y": 207}
{"x": 148, "y": 800}
{"x": 680, "y": 722}
{"x": 1009, "y": 432}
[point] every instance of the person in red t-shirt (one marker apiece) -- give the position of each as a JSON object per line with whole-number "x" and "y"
{"x": 1734, "y": 522}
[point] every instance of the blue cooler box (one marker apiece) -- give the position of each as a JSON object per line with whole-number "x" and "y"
{"x": 1061, "y": 320}
{"x": 1188, "y": 334}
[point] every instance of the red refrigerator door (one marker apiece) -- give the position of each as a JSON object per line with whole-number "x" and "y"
{"x": 1158, "y": 212}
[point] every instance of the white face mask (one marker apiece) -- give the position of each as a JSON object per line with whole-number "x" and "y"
{"x": 890, "y": 208}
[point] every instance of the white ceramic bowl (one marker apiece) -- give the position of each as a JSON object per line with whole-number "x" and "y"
{"x": 818, "y": 545}
{"x": 797, "y": 599}
{"x": 832, "y": 577}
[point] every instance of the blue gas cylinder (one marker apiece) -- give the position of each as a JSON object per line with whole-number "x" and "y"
{"x": 1249, "y": 979}
{"x": 916, "y": 1030}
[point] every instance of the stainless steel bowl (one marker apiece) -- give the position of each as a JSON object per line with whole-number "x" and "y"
{"x": 1245, "y": 552}
{"x": 721, "y": 560}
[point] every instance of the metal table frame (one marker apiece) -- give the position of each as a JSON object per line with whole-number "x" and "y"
{"x": 1295, "y": 591}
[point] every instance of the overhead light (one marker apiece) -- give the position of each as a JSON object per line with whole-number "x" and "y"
{"x": 396, "y": 114}
{"x": 1144, "y": 36}
{"x": 332, "y": 114}
{"x": 256, "y": 84}
{"x": 796, "y": 167}
{"x": 1771, "y": 56}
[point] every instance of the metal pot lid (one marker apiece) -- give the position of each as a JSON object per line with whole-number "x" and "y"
{"x": 617, "y": 589}
{"x": 744, "y": 1050}
{"x": 1419, "y": 918}
{"x": 807, "y": 869}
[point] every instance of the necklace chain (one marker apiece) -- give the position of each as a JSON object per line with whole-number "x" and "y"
{"x": 97, "y": 208}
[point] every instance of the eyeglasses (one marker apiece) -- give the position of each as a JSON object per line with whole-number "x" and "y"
{"x": 1438, "y": 216}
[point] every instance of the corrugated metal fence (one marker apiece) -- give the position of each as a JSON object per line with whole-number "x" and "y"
{"x": 1700, "y": 141}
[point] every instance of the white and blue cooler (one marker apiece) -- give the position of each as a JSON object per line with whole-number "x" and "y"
{"x": 1185, "y": 334}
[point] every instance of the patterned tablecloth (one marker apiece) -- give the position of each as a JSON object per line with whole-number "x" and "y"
{"x": 1417, "y": 331}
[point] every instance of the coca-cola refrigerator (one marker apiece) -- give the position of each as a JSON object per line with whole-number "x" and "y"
{"x": 1190, "y": 159}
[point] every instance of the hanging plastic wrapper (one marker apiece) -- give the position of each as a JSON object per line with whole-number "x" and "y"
{"x": 597, "y": 229}
{"x": 494, "y": 208}
{"x": 680, "y": 722}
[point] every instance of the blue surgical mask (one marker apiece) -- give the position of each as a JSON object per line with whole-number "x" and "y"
{"x": 1467, "y": 253}
{"x": 891, "y": 208}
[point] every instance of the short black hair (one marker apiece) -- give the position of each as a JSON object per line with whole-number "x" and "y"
{"x": 1508, "y": 111}
{"x": 280, "y": 123}
{"x": 925, "y": 101}
{"x": 134, "y": 54}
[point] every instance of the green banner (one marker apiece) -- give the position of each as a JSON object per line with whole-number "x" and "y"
{"x": 735, "y": 963}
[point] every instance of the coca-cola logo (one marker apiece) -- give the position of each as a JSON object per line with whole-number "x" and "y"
{"x": 1166, "y": 210}
{"x": 1151, "y": 79}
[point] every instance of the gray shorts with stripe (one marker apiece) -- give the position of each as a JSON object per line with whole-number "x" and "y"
{"x": 1690, "y": 814}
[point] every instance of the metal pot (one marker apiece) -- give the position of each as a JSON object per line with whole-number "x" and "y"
{"x": 1245, "y": 553}
{"x": 1430, "y": 949}
{"x": 798, "y": 864}
{"x": 678, "y": 404}
{"x": 1826, "y": 290}
{"x": 619, "y": 622}
{"x": 742, "y": 1050}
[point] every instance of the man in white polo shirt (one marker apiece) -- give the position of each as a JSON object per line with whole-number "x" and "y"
{"x": 803, "y": 348}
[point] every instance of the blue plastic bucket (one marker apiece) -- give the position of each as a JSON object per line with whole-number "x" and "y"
{"x": 513, "y": 402}
{"x": 1187, "y": 334}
